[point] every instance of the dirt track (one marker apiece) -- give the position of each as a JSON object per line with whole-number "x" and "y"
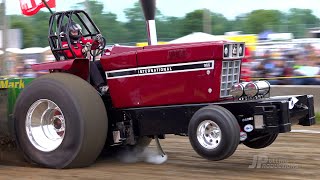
{"x": 294, "y": 156}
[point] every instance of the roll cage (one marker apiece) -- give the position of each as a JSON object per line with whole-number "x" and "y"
{"x": 59, "y": 24}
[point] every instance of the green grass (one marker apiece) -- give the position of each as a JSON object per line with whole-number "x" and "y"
{"x": 318, "y": 117}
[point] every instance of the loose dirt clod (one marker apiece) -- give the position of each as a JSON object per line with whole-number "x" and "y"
{"x": 7, "y": 143}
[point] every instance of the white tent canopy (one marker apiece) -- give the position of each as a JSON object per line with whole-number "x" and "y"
{"x": 13, "y": 50}
{"x": 197, "y": 37}
{"x": 33, "y": 50}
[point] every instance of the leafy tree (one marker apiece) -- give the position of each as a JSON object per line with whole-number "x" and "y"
{"x": 35, "y": 28}
{"x": 193, "y": 22}
{"x": 300, "y": 19}
{"x": 302, "y": 16}
{"x": 169, "y": 28}
{"x": 238, "y": 24}
{"x": 260, "y": 20}
{"x": 40, "y": 23}
{"x": 136, "y": 23}
{"x": 220, "y": 24}
{"x": 23, "y": 23}
{"x": 113, "y": 30}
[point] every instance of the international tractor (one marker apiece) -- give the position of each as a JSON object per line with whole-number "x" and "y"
{"x": 61, "y": 120}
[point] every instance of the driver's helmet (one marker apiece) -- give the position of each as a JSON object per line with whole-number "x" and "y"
{"x": 75, "y": 31}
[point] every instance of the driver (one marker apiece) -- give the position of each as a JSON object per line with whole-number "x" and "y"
{"x": 81, "y": 46}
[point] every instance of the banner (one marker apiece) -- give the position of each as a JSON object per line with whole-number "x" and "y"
{"x": 31, "y": 7}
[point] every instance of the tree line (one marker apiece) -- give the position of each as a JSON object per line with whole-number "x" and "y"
{"x": 35, "y": 28}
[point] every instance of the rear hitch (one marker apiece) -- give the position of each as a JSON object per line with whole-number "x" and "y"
{"x": 159, "y": 158}
{"x": 160, "y": 150}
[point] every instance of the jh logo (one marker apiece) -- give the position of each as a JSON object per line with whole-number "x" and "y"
{"x": 258, "y": 161}
{"x": 261, "y": 161}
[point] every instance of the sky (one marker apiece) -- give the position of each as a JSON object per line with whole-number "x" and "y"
{"x": 178, "y": 8}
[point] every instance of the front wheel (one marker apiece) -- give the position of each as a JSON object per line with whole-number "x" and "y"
{"x": 214, "y": 133}
{"x": 262, "y": 142}
{"x": 60, "y": 122}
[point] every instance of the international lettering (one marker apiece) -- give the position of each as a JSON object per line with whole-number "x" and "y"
{"x": 155, "y": 70}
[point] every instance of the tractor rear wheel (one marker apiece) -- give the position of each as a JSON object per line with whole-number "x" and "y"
{"x": 60, "y": 122}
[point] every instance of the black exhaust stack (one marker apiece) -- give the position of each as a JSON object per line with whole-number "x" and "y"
{"x": 149, "y": 11}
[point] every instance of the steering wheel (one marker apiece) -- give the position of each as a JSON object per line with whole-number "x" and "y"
{"x": 100, "y": 48}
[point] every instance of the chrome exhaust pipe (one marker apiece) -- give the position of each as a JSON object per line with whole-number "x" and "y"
{"x": 250, "y": 89}
{"x": 149, "y": 10}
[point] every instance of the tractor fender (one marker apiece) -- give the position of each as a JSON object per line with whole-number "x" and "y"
{"x": 78, "y": 67}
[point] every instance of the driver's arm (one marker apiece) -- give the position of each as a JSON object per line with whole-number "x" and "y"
{"x": 94, "y": 43}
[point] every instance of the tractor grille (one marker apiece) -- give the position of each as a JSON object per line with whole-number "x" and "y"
{"x": 229, "y": 76}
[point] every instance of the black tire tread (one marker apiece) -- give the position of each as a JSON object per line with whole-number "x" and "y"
{"x": 90, "y": 106}
{"x": 228, "y": 120}
{"x": 262, "y": 142}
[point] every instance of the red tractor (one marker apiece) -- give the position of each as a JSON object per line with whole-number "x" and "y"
{"x": 64, "y": 120}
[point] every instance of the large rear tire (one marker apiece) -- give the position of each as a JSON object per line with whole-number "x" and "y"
{"x": 60, "y": 122}
{"x": 214, "y": 133}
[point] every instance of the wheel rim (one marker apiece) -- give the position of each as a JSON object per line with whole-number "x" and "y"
{"x": 45, "y": 125}
{"x": 209, "y": 134}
